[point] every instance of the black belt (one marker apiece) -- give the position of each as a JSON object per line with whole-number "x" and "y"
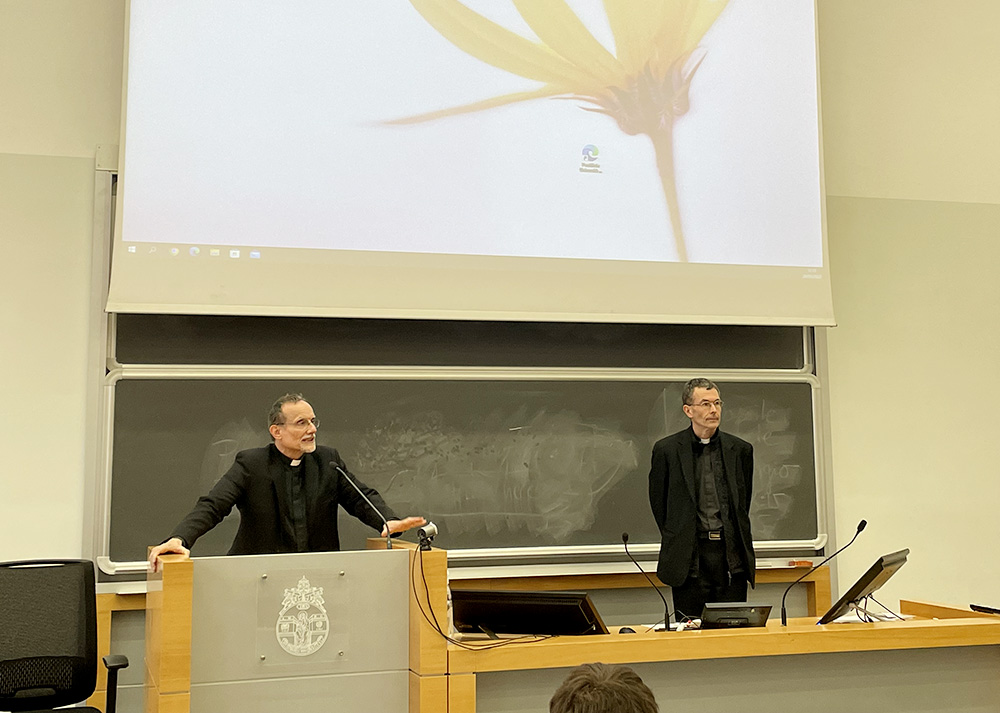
{"x": 713, "y": 535}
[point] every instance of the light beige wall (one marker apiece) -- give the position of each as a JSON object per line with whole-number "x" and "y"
{"x": 46, "y": 207}
{"x": 911, "y": 98}
{"x": 60, "y": 75}
{"x": 60, "y": 96}
{"x": 911, "y": 110}
{"x": 910, "y": 95}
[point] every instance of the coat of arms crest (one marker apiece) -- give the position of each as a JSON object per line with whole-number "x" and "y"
{"x": 303, "y": 626}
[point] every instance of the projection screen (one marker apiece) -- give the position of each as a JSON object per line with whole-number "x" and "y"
{"x": 567, "y": 160}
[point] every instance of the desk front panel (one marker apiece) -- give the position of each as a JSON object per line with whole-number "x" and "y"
{"x": 944, "y": 680}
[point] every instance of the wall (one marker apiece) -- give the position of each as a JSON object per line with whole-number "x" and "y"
{"x": 911, "y": 102}
{"x": 911, "y": 106}
{"x": 60, "y": 96}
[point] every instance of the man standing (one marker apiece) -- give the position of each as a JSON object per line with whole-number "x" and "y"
{"x": 287, "y": 494}
{"x": 700, "y": 490}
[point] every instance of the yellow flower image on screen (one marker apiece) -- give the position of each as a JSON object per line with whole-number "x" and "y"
{"x": 643, "y": 86}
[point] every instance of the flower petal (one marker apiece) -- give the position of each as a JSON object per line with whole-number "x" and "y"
{"x": 559, "y": 28}
{"x": 704, "y": 15}
{"x": 656, "y": 32}
{"x": 496, "y": 45}
{"x": 546, "y": 91}
{"x": 634, "y": 24}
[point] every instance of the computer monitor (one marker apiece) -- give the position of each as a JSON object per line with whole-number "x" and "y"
{"x": 530, "y": 613}
{"x": 733, "y": 615}
{"x": 870, "y": 581}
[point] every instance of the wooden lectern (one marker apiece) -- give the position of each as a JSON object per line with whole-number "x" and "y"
{"x": 310, "y": 632}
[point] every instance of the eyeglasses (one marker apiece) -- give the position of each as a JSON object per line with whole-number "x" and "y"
{"x": 301, "y": 423}
{"x": 708, "y": 404}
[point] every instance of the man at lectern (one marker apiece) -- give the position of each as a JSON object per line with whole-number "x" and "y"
{"x": 700, "y": 490}
{"x": 287, "y": 492}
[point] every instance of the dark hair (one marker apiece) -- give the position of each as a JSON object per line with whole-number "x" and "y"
{"x": 603, "y": 688}
{"x": 275, "y": 417}
{"x": 690, "y": 386}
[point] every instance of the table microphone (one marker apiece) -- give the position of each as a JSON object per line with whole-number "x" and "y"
{"x": 784, "y": 618}
{"x": 666, "y": 608}
{"x": 388, "y": 535}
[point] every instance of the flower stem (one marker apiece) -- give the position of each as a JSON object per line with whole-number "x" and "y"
{"x": 663, "y": 145}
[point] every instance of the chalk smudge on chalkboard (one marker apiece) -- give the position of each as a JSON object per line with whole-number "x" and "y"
{"x": 773, "y": 498}
{"x": 231, "y": 438}
{"x": 544, "y": 474}
{"x": 768, "y": 426}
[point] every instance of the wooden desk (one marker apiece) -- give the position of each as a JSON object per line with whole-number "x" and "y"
{"x": 801, "y": 636}
{"x": 444, "y": 678}
{"x": 108, "y": 603}
{"x": 956, "y": 628}
{"x": 506, "y": 672}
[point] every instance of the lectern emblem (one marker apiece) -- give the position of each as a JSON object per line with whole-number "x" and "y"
{"x": 303, "y": 626}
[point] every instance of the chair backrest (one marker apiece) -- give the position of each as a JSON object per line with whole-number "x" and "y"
{"x": 48, "y": 633}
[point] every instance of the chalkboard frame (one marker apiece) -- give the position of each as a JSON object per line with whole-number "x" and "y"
{"x": 572, "y": 556}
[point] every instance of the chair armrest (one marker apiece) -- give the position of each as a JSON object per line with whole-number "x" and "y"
{"x": 113, "y": 662}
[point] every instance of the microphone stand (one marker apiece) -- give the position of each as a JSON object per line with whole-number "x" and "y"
{"x": 388, "y": 535}
{"x": 666, "y": 608}
{"x": 784, "y": 616}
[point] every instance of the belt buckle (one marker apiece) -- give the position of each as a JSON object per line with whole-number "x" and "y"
{"x": 715, "y": 535}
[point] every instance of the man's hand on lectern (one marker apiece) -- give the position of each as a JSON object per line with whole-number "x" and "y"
{"x": 407, "y": 523}
{"x": 173, "y": 546}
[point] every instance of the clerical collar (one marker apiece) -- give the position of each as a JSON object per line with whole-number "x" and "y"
{"x": 285, "y": 459}
{"x": 714, "y": 438}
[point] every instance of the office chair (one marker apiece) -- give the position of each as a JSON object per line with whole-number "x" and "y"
{"x": 48, "y": 636}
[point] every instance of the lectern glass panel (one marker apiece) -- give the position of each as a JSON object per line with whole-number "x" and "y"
{"x": 303, "y": 618}
{"x": 310, "y": 614}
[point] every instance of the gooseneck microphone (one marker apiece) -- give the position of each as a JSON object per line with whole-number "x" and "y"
{"x": 784, "y": 618}
{"x": 666, "y": 607}
{"x": 426, "y": 535}
{"x": 388, "y": 535}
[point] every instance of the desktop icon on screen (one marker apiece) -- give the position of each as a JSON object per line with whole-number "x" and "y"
{"x": 194, "y": 251}
{"x": 589, "y": 163}
{"x": 214, "y": 252}
{"x": 234, "y": 253}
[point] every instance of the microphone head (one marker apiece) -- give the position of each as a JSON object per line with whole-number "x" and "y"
{"x": 862, "y": 525}
{"x": 625, "y": 537}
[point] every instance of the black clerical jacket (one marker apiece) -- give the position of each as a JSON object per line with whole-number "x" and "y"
{"x": 255, "y": 485}
{"x": 673, "y": 497}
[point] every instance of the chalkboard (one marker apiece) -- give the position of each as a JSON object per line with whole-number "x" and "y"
{"x": 495, "y": 464}
{"x": 204, "y": 339}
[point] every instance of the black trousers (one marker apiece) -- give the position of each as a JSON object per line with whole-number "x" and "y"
{"x": 713, "y": 583}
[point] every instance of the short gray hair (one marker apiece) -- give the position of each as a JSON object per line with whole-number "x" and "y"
{"x": 603, "y": 688}
{"x": 276, "y": 416}
{"x": 690, "y": 386}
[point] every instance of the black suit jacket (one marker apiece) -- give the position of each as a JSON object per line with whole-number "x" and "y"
{"x": 255, "y": 484}
{"x": 673, "y": 498}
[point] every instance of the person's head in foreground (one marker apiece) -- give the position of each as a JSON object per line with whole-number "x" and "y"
{"x": 603, "y": 688}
